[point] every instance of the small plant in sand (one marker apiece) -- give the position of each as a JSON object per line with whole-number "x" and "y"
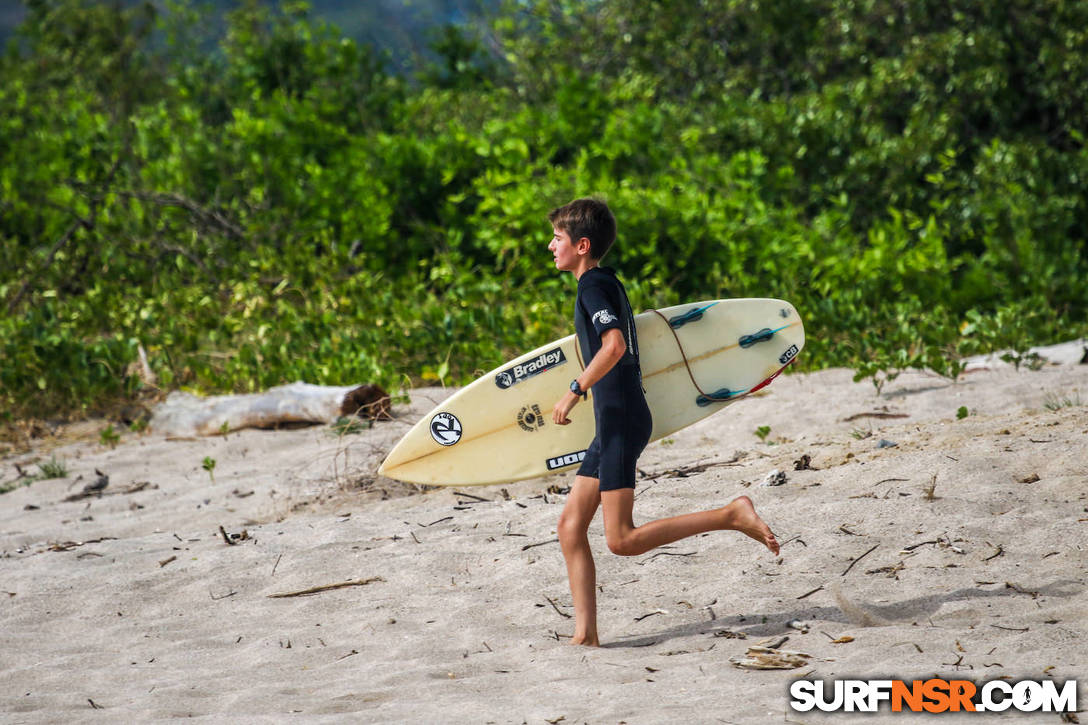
{"x": 12, "y": 485}
{"x": 927, "y": 491}
{"x": 109, "y": 437}
{"x": 1054, "y": 403}
{"x": 208, "y": 464}
{"x": 349, "y": 425}
{"x": 1030, "y": 360}
{"x": 762, "y": 432}
{"x": 962, "y": 412}
{"x": 53, "y": 469}
{"x": 224, "y": 429}
{"x": 138, "y": 426}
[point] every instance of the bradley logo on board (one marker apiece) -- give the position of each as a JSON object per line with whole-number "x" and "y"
{"x": 542, "y": 363}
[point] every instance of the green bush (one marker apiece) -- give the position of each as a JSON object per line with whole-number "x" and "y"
{"x": 270, "y": 203}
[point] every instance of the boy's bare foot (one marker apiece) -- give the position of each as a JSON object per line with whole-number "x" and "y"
{"x": 741, "y": 516}
{"x": 585, "y": 641}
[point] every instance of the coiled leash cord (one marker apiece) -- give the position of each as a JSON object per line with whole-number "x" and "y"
{"x": 704, "y": 398}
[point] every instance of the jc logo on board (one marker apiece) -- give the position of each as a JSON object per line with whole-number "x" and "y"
{"x": 445, "y": 429}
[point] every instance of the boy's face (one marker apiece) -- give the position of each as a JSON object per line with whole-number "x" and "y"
{"x": 565, "y": 253}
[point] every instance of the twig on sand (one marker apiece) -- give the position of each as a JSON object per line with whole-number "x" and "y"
{"x": 1021, "y": 590}
{"x": 469, "y": 495}
{"x": 539, "y": 543}
{"x": 164, "y": 562}
{"x": 809, "y": 594}
{"x": 327, "y": 587}
{"x": 855, "y": 561}
{"x": 928, "y": 490}
{"x": 556, "y": 608}
{"x": 855, "y": 416}
{"x": 69, "y": 545}
{"x": 276, "y": 564}
{"x": 685, "y": 471}
{"x": 94, "y": 704}
{"x": 91, "y": 492}
{"x": 665, "y": 553}
{"x": 646, "y": 616}
{"x": 998, "y": 553}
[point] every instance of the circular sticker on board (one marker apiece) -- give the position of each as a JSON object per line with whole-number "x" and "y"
{"x": 445, "y": 429}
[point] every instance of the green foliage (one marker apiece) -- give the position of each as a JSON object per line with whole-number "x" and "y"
{"x": 53, "y": 468}
{"x": 762, "y": 432}
{"x": 208, "y": 464}
{"x": 962, "y": 412}
{"x": 109, "y": 437}
{"x": 268, "y": 203}
{"x": 9, "y": 486}
{"x": 351, "y": 425}
{"x": 1054, "y": 402}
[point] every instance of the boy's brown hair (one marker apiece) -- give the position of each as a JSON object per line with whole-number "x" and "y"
{"x": 589, "y": 218}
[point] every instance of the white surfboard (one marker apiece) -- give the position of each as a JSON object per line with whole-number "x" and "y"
{"x": 696, "y": 359}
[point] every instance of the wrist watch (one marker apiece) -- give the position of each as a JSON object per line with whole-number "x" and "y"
{"x": 577, "y": 389}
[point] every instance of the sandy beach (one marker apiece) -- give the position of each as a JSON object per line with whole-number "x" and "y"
{"x": 154, "y": 598}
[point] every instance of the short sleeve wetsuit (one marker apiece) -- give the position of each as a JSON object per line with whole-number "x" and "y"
{"x": 619, "y": 404}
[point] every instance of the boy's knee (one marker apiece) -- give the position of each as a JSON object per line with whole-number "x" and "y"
{"x": 570, "y": 529}
{"x": 621, "y": 545}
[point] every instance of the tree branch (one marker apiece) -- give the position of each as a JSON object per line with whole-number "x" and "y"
{"x": 80, "y": 222}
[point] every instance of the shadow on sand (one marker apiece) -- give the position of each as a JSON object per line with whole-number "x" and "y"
{"x": 905, "y": 612}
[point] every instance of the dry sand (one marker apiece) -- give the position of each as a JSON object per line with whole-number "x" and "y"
{"x": 133, "y": 607}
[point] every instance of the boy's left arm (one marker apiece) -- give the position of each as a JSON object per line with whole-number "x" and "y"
{"x": 613, "y": 347}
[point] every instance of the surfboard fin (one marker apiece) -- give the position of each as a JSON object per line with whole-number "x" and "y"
{"x": 689, "y": 316}
{"x": 718, "y": 396}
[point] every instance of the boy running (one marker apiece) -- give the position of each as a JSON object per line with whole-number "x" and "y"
{"x": 583, "y": 232}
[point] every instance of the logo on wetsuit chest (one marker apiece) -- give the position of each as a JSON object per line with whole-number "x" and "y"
{"x": 604, "y": 316}
{"x": 530, "y": 418}
{"x": 542, "y": 363}
{"x": 565, "y": 460}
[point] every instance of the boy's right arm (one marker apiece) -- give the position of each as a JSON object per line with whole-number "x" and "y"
{"x": 613, "y": 347}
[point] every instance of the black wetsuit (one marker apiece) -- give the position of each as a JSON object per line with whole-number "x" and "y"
{"x": 619, "y": 404}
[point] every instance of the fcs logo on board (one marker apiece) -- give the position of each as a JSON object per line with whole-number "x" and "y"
{"x": 541, "y": 363}
{"x": 933, "y": 695}
{"x": 567, "y": 459}
{"x": 445, "y": 429}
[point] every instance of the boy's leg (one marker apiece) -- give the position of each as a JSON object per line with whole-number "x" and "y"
{"x": 578, "y": 512}
{"x": 626, "y": 539}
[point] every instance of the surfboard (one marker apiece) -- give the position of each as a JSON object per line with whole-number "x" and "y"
{"x": 696, "y": 359}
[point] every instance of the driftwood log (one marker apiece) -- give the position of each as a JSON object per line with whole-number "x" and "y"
{"x": 185, "y": 415}
{"x": 367, "y": 401}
